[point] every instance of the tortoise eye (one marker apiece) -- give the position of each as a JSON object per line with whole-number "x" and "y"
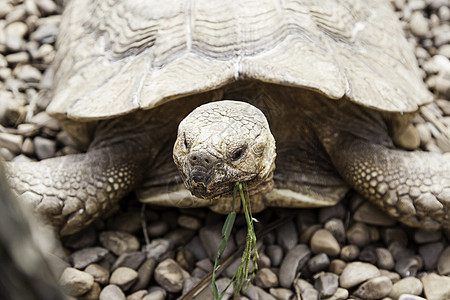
{"x": 186, "y": 145}
{"x": 237, "y": 154}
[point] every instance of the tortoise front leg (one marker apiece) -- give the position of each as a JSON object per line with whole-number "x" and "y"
{"x": 74, "y": 190}
{"x": 413, "y": 187}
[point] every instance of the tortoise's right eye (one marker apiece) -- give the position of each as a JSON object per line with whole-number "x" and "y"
{"x": 186, "y": 145}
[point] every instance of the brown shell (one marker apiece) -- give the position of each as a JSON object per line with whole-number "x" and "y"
{"x": 115, "y": 57}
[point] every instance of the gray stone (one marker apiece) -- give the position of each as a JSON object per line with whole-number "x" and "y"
{"x": 326, "y": 213}
{"x": 196, "y": 248}
{"x": 145, "y": 273}
{"x": 93, "y": 293}
{"x": 257, "y": 293}
{"x": 370, "y": 214}
{"x": 287, "y": 236}
{"x": 100, "y": 274}
{"x": 129, "y": 222}
{"x": 327, "y": 284}
{"x": 157, "y": 229}
{"x": 275, "y": 252}
{"x": 266, "y": 278}
{"x": 422, "y": 236}
{"x": 357, "y": 272}
{"x": 443, "y": 264}
{"x": 156, "y": 294}
{"x": 189, "y": 222}
{"x": 292, "y": 263}
{"x": 123, "y": 277}
{"x": 375, "y": 288}
{"x": 210, "y": 237}
{"x": 138, "y": 295}
{"x": 45, "y": 33}
{"x": 112, "y": 292}
{"x": 436, "y": 287}
{"x": 407, "y": 266}
{"x": 27, "y": 73}
{"x": 281, "y": 293}
{"x": 304, "y": 290}
{"x": 323, "y": 241}
{"x": 340, "y": 294}
{"x": 407, "y": 285}
{"x": 318, "y": 263}
{"x": 430, "y": 254}
{"x": 385, "y": 260}
{"x": 119, "y": 242}
{"x": 17, "y": 58}
{"x": 170, "y": 275}
{"x": 75, "y": 282}
{"x": 129, "y": 259}
{"x": 44, "y": 148}
{"x": 337, "y": 266}
{"x": 11, "y": 142}
{"x": 180, "y": 236}
{"x": 358, "y": 234}
{"x": 87, "y": 256}
{"x": 337, "y": 229}
{"x": 157, "y": 248}
{"x": 349, "y": 252}
{"x": 418, "y": 24}
{"x": 410, "y": 297}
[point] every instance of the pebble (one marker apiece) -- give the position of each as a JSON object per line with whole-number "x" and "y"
{"x": 129, "y": 222}
{"x": 93, "y": 293}
{"x": 358, "y": 234}
{"x": 170, "y": 275}
{"x": 256, "y": 293}
{"x": 112, "y": 292}
{"x": 123, "y": 277}
{"x": 407, "y": 266}
{"x": 340, "y": 294}
{"x": 430, "y": 254}
{"x": 326, "y": 213}
{"x": 44, "y": 148}
{"x": 100, "y": 274}
{"x": 196, "y": 248}
{"x": 287, "y": 236}
{"x": 189, "y": 222}
{"x": 323, "y": 241}
{"x": 436, "y": 287}
{"x": 337, "y": 266}
{"x": 384, "y": 259}
{"x": 443, "y": 264}
{"x": 410, "y": 297}
{"x": 266, "y": 278}
{"x": 119, "y": 242}
{"x": 375, "y": 288}
{"x": 295, "y": 259}
{"x": 318, "y": 263}
{"x": 86, "y": 256}
{"x": 138, "y": 295}
{"x": 281, "y": 293}
{"x": 407, "y": 285}
{"x": 145, "y": 273}
{"x": 75, "y": 282}
{"x": 337, "y": 229}
{"x": 357, "y": 272}
{"x": 275, "y": 253}
{"x": 210, "y": 237}
{"x": 419, "y": 25}
{"x": 11, "y": 142}
{"x": 370, "y": 214}
{"x": 157, "y": 248}
{"x": 157, "y": 228}
{"x": 305, "y": 290}
{"x": 156, "y": 294}
{"x": 130, "y": 259}
{"x": 327, "y": 284}
{"x": 349, "y": 252}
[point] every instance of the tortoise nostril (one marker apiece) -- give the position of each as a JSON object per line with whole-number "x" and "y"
{"x": 202, "y": 158}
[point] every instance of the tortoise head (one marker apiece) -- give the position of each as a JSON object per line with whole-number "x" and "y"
{"x": 220, "y": 143}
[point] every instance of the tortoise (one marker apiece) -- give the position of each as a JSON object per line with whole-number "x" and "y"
{"x": 338, "y": 84}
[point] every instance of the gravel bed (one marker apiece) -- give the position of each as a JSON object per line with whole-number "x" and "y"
{"x": 351, "y": 250}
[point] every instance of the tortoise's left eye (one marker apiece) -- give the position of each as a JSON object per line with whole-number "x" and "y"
{"x": 237, "y": 154}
